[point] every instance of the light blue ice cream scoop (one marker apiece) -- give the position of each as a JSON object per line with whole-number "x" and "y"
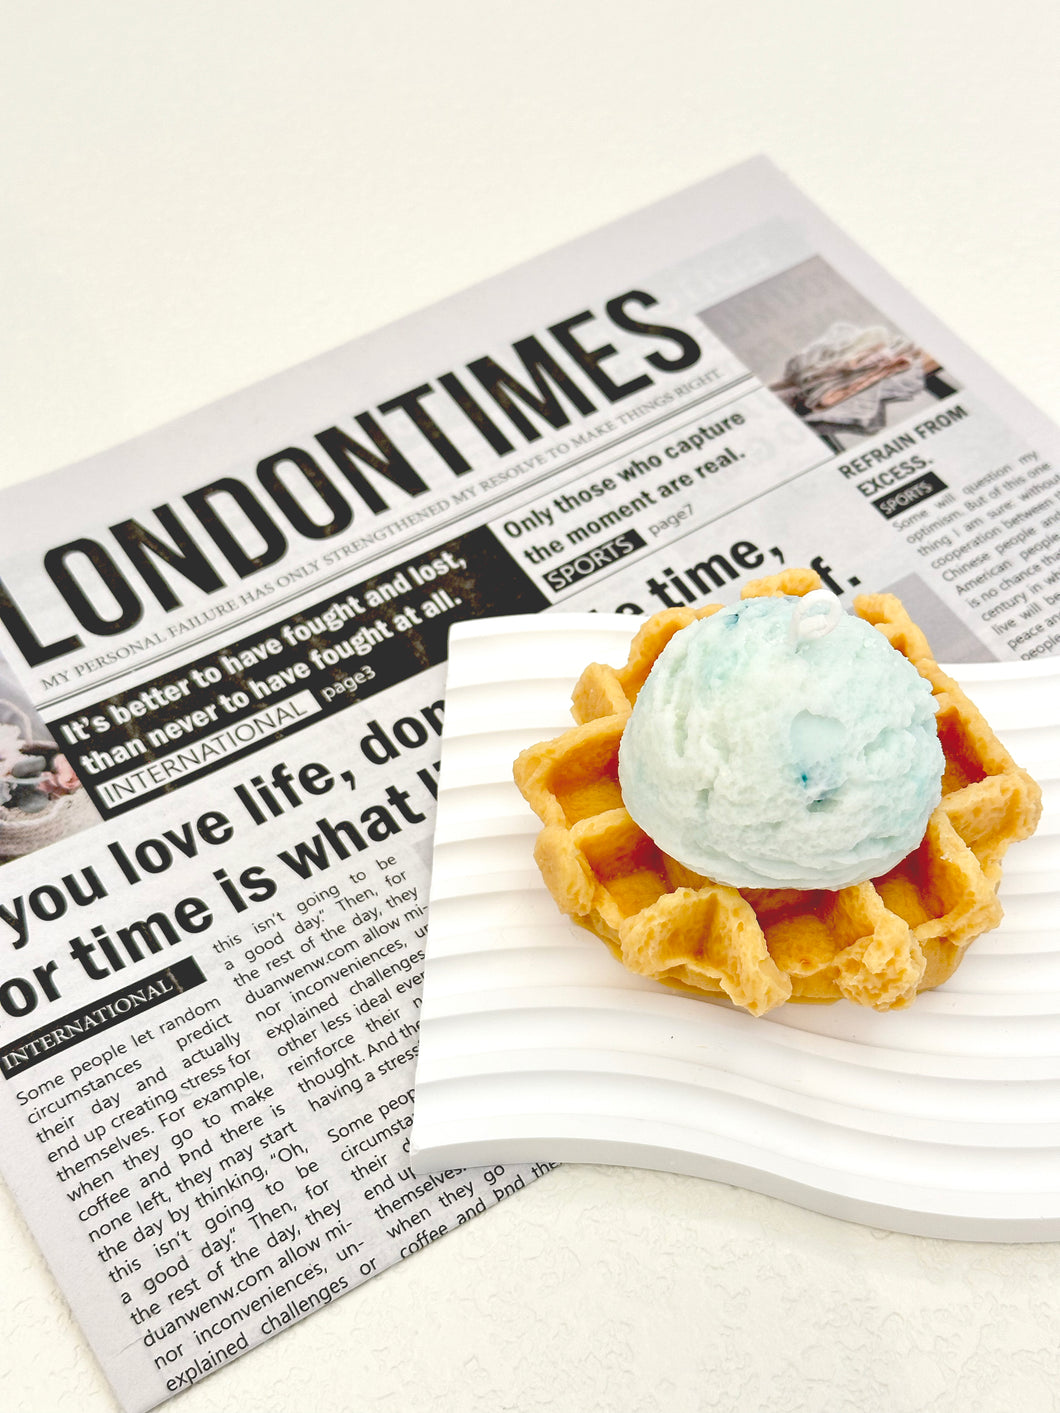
{"x": 768, "y": 749}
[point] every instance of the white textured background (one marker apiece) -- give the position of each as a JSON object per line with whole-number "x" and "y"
{"x": 198, "y": 194}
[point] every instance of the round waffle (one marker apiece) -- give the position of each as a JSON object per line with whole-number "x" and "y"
{"x": 876, "y": 943}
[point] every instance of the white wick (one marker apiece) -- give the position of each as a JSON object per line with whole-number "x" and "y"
{"x": 807, "y": 624}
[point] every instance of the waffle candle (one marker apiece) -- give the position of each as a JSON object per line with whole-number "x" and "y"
{"x": 877, "y": 941}
{"x": 775, "y": 746}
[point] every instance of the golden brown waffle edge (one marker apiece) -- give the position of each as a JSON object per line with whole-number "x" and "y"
{"x": 877, "y": 943}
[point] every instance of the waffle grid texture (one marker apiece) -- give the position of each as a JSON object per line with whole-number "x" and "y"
{"x": 876, "y": 943}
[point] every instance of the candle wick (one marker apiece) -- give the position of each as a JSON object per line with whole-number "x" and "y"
{"x": 807, "y": 623}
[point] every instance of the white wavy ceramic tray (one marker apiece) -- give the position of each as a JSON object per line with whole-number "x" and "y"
{"x": 942, "y": 1120}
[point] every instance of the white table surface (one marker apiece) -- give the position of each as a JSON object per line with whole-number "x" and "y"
{"x": 197, "y": 195}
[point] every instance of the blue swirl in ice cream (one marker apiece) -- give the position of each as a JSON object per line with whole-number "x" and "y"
{"x": 763, "y": 758}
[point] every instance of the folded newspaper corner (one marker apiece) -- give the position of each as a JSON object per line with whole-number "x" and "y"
{"x": 224, "y": 689}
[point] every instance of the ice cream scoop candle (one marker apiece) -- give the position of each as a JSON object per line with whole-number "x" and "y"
{"x": 782, "y": 743}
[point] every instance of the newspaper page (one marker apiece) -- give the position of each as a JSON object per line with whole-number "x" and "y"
{"x": 222, "y": 692}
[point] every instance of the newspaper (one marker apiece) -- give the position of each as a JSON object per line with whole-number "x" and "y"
{"x": 223, "y": 690}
